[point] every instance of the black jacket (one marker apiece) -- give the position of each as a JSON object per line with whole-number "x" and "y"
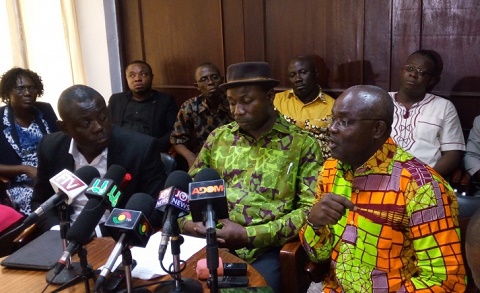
{"x": 139, "y": 154}
{"x": 164, "y": 114}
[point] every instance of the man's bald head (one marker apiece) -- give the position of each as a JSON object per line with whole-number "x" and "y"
{"x": 371, "y": 100}
{"x": 76, "y": 94}
{"x": 361, "y": 123}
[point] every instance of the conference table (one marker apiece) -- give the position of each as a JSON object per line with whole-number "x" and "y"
{"x": 14, "y": 280}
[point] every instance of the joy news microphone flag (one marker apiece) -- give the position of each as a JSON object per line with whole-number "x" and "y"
{"x": 173, "y": 202}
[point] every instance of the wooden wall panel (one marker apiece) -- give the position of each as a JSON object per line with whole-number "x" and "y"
{"x": 377, "y": 43}
{"x": 315, "y": 28}
{"x": 254, "y": 16}
{"x": 178, "y": 37}
{"x": 131, "y": 31}
{"x": 233, "y": 32}
{"x": 406, "y": 33}
{"x": 355, "y": 42}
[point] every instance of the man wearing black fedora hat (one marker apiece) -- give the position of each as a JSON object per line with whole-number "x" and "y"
{"x": 270, "y": 168}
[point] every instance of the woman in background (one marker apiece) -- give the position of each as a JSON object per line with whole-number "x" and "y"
{"x": 24, "y": 121}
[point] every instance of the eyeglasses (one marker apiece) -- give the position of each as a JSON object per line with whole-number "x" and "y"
{"x": 420, "y": 72}
{"x": 345, "y": 122}
{"x": 21, "y": 89}
{"x": 213, "y": 77}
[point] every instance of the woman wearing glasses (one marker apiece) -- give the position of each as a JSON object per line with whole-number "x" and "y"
{"x": 24, "y": 121}
{"x": 426, "y": 125}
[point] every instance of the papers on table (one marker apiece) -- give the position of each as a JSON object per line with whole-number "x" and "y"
{"x": 148, "y": 265}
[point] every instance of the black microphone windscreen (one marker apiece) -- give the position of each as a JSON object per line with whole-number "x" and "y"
{"x": 179, "y": 179}
{"x": 87, "y": 173}
{"x": 207, "y": 174}
{"x": 116, "y": 173}
{"x": 83, "y": 227}
{"x": 141, "y": 202}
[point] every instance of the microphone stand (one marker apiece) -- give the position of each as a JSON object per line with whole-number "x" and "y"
{"x": 212, "y": 249}
{"x": 71, "y": 270}
{"x": 86, "y": 275}
{"x": 127, "y": 262}
{"x": 178, "y": 285}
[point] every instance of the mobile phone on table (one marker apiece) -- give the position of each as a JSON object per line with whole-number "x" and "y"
{"x": 230, "y": 281}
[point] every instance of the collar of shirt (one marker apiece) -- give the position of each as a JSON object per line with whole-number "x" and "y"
{"x": 378, "y": 163}
{"x": 280, "y": 125}
{"x": 426, "y": 99}
{"x": 320, "y": 97}
{"x": 100, "y": 162}
{"x": 149, "y": 99}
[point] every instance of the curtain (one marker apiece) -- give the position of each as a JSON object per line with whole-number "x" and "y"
{"x": 72, "y": 41}
{"x": 42, "y": 36}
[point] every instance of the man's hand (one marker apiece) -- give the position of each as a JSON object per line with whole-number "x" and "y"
{"x": 329, "y": 210}
{"x": 232, "y": 235}
{"x": 196, "y": 229}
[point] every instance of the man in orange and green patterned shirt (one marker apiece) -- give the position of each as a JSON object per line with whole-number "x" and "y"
{"x": 387, "y": 221}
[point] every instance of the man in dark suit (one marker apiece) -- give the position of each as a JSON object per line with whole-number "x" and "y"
{"x": 142, "y": 108}
{"x": 87, "y": 137}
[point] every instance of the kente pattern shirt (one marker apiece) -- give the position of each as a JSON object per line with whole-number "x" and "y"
{"x": 195, "y": 121}
{"x": 403, "y": 236}
{"x": 270, "y": 182}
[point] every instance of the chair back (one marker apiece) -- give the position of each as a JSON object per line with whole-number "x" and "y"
{"x": 169, "y": 163}
{"x": 467, "y": 206}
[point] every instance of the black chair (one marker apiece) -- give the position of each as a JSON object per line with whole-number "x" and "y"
{"x": 467, "y": 205}
{"x": 169, "y": 163}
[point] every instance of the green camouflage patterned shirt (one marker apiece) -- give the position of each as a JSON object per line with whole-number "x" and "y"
{"x": 270, "y": 182}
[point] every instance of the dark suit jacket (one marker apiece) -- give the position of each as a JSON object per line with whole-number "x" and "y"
{"x": 139, "y": 154}
{"x": 8, "y": 156}
{"x": 164, "y": 114}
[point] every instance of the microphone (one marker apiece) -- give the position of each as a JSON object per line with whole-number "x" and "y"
{"x": 108, "y": 186}
{"x": 82, "y": 229}
{"x": 173, "y": 202}
{"x": 208, "y": 203}
{"x": 128, "y": 226}
{"x": 207, "y": 199}
{"x": 67, "y": 186}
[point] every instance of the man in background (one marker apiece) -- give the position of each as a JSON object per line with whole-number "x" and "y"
{"x": 200, "y": 115}
{"x": 142, "y": 108}
{"x": 387, "y": 221}
{"x": 306, "y": 105}
{"x": 426, "y": 125}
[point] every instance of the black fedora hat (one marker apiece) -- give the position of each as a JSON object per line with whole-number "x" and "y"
{"x": 247, "y": 73}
